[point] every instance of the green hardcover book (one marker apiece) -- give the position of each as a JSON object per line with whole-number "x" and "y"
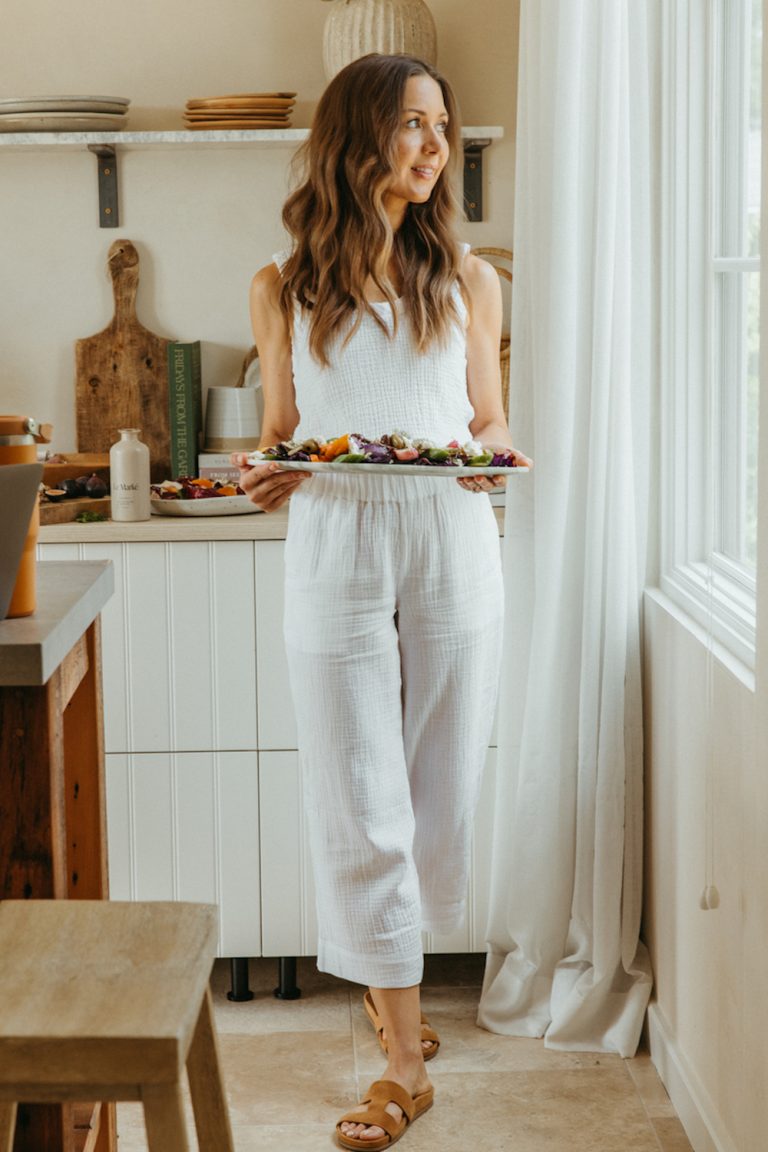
{"x": 185, "y": 406}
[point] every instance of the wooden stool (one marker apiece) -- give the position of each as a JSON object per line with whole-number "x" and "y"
{"x": 110, "y": 1001}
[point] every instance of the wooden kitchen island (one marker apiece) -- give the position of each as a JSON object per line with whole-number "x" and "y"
{"x": 52, "y": 795}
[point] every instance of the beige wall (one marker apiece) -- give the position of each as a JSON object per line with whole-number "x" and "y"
{"x": 203, "y": 220}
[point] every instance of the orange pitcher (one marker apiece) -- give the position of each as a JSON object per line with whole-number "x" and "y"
{"x": 19, "y": 436}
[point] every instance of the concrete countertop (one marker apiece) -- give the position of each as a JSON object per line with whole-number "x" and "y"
{"x": 70, "y": 595}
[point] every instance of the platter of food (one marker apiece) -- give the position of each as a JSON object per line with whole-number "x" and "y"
{"x": 455, "y": 470}
{"x": 394, "y": 454}
{"x": 223, "y": 506}
{"x": 199, "y": 497}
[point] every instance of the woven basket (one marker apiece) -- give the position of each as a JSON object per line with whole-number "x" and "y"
{"x": 500, "y": 257}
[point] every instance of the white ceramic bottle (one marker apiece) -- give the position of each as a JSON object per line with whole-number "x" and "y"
{"x": 129, "y": 477}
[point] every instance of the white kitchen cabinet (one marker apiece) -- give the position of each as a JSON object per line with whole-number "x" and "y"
{"x": 203, "y": 789}
{"x": 179, "y": 675}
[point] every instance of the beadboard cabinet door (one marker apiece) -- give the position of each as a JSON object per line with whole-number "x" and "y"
{"x": 178, "y": 645}
{"x": 186, "y": 827}
{"x": 277, "y": 723}
{"x": 289, "y": 927}
{"x": 288, "y": 923}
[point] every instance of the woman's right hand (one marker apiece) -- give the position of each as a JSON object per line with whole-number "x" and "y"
{"x": 268, "y": 486}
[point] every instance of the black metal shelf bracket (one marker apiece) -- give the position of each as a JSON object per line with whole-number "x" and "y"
{"x": 473, "y": 178}
{"x": 109, "y": 215}
{"x": 106, "y": 159}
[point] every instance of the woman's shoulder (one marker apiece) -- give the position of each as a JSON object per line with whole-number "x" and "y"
{"x": 479, "y": 276}
{"x": 266, "y": 285}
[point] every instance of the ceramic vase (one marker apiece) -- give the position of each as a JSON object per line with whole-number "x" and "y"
{"x": 355, "y": 27}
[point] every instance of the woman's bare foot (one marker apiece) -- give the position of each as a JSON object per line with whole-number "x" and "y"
{"x": 413, "y": 1077}
{"x": 400, "y": 1012}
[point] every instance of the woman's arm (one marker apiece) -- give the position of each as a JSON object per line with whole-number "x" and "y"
{"x": 489, "y": 424}
{"x": 267, "y": 485}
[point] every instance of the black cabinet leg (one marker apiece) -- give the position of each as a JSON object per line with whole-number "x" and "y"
{"x": 238, "y": 967}
{"x": 286, "y": 974}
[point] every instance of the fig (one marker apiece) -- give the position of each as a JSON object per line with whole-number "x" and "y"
{"x": 55, "y": 494}
{"x": 70, "y": 488}
{"x": 95, "y": 487}
{"x": 81, "y": 482}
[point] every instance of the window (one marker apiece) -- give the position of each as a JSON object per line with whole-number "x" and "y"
{"x": 710, "y": 316}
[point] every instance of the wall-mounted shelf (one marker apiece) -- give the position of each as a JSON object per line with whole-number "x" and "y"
{"x": 107, "y": 146}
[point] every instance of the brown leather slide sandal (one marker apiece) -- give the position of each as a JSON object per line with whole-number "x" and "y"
{"x": 372, "y": 1111}
{"x": 427, "y": 1032}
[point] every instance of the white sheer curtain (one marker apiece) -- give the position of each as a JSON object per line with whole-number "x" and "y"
{"x": 564, "y": 960}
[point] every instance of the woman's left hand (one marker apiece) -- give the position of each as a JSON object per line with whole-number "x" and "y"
{"x": 492, "y": 483}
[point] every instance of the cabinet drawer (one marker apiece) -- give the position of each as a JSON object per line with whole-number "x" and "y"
{"x": 186, "y": 827}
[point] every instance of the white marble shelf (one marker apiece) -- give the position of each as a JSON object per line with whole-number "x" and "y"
{"x": 108, "y": 146}
{"x": 233, "y": 139}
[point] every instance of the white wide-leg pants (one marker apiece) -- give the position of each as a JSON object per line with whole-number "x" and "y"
{"x": 393, "y": 627}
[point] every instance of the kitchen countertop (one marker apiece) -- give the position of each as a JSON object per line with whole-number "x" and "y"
{"x": 251, "y": 526}
{"x": 70, "y": 595}
{"x": 247, "y": 526}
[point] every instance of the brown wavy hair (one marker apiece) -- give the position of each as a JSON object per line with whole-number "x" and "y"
{"x": 341, "y": 233}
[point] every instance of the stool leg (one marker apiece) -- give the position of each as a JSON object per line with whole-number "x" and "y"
{"x": 7, "y": 1126}
{"x": 206, "y": 1085}
{"x": 164, "y": 1118}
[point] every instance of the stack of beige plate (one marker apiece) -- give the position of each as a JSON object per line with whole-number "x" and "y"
{"x": 63, "y": 113}
{"x": 248, "y": 110}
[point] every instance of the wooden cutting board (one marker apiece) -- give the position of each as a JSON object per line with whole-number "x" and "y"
{"x": 65, "y": 511}
{"x": 122, "y": 373}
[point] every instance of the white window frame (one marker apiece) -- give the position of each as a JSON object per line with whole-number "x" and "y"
{"x": 714, "y": 590}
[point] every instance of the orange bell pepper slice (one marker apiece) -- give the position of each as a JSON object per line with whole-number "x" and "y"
{"x": 337, "y": 447}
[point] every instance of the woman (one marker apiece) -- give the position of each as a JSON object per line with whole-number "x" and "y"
{"x": 379, "y": 320}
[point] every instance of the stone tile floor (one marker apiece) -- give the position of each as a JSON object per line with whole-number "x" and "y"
{"x": 291, "y": 1068}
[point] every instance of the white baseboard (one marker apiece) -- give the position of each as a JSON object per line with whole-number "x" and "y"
{"x": 691, "y": 1101}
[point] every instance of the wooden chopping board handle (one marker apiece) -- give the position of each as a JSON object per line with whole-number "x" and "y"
{"x": 123, "y": 264}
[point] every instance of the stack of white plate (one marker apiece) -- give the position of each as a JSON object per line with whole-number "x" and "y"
{"x": 248, "y": 110}
{"x": 63, "y": 113}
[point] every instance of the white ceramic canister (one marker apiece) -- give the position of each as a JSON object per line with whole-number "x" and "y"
{"x": 129, "y": 477}
{"x": 355, "y": 27}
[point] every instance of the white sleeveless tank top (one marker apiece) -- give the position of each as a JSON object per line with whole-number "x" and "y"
{"x": 379, "y": 383}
